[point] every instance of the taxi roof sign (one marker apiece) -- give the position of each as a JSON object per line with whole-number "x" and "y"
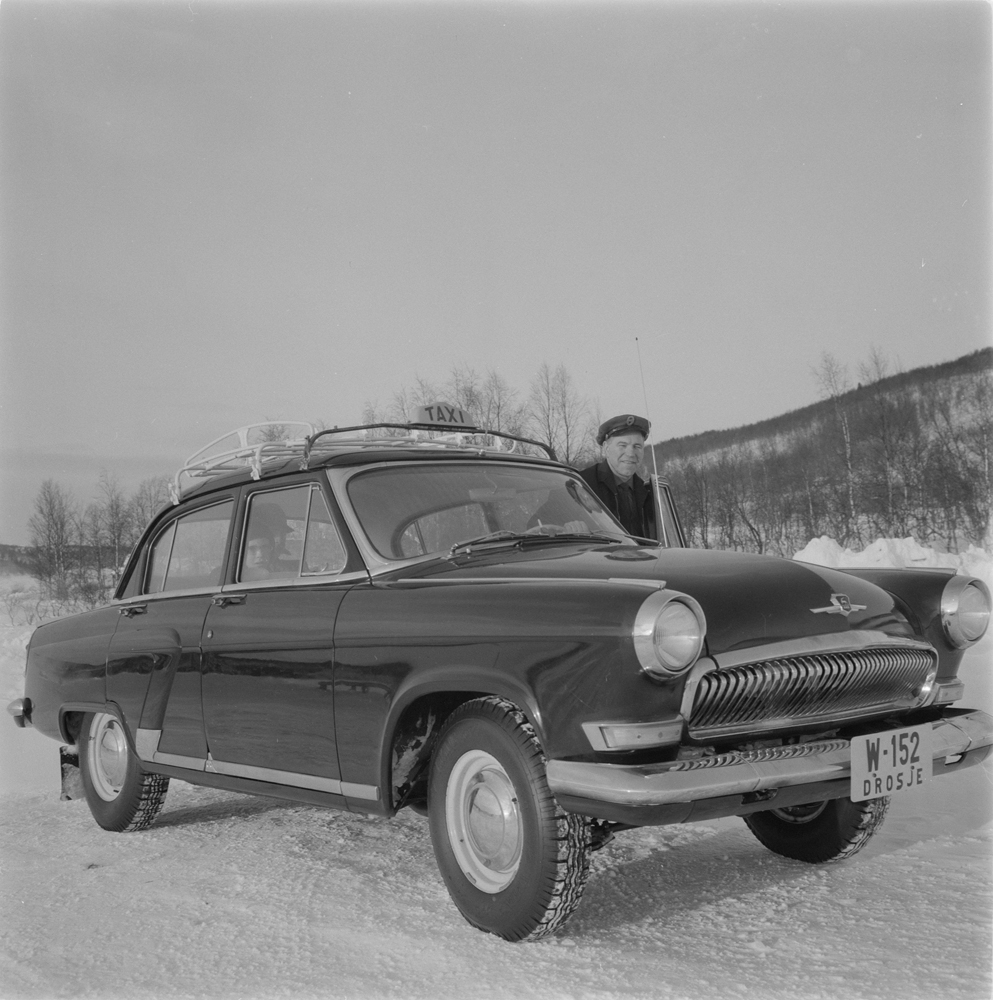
{"x": 444, "y": 415}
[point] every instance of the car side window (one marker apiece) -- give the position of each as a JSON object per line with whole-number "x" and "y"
{"x": 323, "y": 551}
{"x": 289, "y": 533}
{"x": 189, "y": 554}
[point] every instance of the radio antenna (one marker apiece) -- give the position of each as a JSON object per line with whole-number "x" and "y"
{"x": 655, "y": 467}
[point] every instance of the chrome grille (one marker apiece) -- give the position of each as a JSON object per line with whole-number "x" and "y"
{"x": 816, "y": 687}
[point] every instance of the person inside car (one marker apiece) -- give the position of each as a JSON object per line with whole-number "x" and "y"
{"x": 265, "y": 543}
{"x": 260, "y": 551}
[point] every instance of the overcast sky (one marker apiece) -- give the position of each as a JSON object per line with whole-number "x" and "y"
{"x": 214, "y": 213}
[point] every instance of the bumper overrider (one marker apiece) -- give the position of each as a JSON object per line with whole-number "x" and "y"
{"x": 740, "y": 782}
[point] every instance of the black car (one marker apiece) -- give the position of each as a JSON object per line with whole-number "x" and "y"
{"x": 436, "y": 616}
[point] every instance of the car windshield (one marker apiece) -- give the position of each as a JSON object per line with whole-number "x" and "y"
{"x": 414, "y": 510}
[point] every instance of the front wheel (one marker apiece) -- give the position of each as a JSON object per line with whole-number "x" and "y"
{"x": 818, "y": 832}
{"x": 514, "y": 862}
{"x": 121, "y": 796}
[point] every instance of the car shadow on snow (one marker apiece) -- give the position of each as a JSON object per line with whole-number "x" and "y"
{"x": 190, "y": 805}
{"x": 667, "y": 873}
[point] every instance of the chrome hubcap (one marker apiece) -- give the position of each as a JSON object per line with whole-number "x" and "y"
{"x": 801, "y": 814}
{"x": 108, "y": 757}
{"x": 484, "y": 821}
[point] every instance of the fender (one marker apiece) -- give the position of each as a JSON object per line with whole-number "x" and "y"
{"x": 403, "y": 751}
{"x": 108, "y": 707}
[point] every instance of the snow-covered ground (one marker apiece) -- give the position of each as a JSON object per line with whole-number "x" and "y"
{"x": 236, "y": 896}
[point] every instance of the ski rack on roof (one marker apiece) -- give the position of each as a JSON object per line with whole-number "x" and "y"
{"x": 415, "y": 435}
{"x": 250, "y": 446}
{"x": 245, "y": 447}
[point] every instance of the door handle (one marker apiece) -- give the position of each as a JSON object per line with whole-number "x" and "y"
{"x": 223, "y": 600}
{"x": 130, "y": 610}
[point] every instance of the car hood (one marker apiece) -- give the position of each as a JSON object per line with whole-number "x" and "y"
{"x": 748, "y": 599}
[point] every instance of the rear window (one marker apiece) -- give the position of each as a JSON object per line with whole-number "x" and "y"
{"x": 189, "y": 553}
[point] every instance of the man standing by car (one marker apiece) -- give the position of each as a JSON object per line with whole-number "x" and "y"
{"x": 615, "y": 480}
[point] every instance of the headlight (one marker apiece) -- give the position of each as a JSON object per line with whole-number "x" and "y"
{"x": 965, "y": 610}
{"x": 668, "y": 633}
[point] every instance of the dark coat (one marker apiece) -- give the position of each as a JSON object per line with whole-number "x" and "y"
{"x": 601, "y": 481}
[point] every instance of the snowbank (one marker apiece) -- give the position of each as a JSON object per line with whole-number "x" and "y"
{"x": 899, "y": 553}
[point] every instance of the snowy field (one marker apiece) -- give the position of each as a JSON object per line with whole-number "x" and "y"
{"x": 236, "y": 896}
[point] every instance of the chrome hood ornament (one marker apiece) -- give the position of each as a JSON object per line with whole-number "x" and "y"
{"x": 840, "y": 605}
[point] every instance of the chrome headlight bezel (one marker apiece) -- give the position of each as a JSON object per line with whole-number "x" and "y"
{"x": 961, "y": 627}
{"x": 658, "y": 662}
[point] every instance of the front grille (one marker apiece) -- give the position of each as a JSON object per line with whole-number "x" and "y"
{"x": 817, "y": 687}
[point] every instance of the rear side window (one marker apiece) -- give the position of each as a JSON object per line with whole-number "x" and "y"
{"x": 290, "y": 534}
{"x": 189, "y": 554}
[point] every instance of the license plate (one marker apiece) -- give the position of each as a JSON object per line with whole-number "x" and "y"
{"x": 888, "y": 763}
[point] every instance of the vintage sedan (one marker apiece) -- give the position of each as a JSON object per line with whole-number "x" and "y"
{"x": 439, "y": 617}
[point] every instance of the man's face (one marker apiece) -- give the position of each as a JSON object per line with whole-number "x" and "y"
{"x": 623, "y": 453}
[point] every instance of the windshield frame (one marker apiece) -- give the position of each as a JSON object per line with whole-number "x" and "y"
{"x": 339, "y": 477}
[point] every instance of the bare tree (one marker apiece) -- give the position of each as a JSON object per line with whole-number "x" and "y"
{"x": 558, "y": 414}
{"x": 117, "y": 517}
{"x": 271, "y": 432}
{"x": 832, "y": 377}
{"x": 53, "y": 528}
{"x": 151, "y": 495}
{"x": 500, "y": 410}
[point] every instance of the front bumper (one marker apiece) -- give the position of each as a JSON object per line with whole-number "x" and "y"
{"x": 740, "y": 782}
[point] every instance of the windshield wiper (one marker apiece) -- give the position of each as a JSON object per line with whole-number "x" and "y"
{"x": 534, "y": 534}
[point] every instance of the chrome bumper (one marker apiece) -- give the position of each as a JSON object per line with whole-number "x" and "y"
{"x": 20, "y": 710}
{"x": 741, "y": 773}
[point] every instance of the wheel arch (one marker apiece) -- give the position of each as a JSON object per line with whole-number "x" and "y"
{"x": 71, "y": 720}
{"x": 416, "y": 718}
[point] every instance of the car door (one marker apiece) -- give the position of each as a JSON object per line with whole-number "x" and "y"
{"x": 153, "y": 665}
{"x": 268, "y": 694}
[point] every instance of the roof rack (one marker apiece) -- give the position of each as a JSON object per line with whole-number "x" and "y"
{"x": 250, "y": 446}
{"x": 245, "y": 447}
{"x": 418, "y": 434}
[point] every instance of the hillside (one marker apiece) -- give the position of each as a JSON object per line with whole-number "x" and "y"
{"x": 795, "y": 421}
{"x": 907, "y": 455}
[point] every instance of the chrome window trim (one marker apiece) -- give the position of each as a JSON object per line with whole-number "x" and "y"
{"x": 355, "y": 576}
{"x": 164, "y": 595}
{"x": 289, "y": 583}
{"x": 497, "y": 580}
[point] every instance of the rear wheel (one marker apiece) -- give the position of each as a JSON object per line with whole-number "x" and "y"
{"x": 819, "y": 832}
{"x": 121, "y": 796}
{"x": 514, "y": 862}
